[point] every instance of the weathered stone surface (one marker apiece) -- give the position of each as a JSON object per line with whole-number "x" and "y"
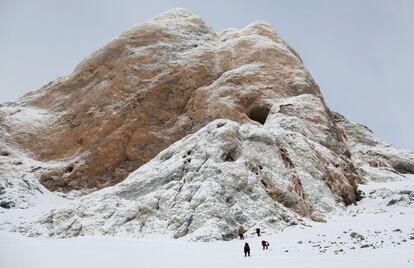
{"x": 209, "y": 183}
{"x": 151, "y": 86}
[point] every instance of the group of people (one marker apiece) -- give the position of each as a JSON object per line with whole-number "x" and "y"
{"x": 246, "y": 248}
{"x": 265, "y": 245}
{"x": 241, "y": 232}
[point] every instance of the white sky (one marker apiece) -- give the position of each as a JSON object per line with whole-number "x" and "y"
{"x": 360, "y": 52}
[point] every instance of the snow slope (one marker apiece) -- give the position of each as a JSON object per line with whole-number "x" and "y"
{"x": 386, "y": 227}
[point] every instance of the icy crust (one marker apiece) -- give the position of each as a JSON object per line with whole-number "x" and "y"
{"x": 207, "y": 184}
{"x": 376, "y": 159}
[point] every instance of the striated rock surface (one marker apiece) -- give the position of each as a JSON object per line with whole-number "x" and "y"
{"x": 211, "y": 131}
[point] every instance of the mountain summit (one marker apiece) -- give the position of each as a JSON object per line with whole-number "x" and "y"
{"x": 189, "y": 132}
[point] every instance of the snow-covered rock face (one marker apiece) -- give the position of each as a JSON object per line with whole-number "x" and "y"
{"x": 211, "y": 130}
{"x": 205, "y": 185}
{"x": 19, "y": 182}
{"x": 376, "y": 159}
{"x": 225, "y": 175}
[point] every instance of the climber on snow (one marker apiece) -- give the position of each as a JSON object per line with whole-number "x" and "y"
{"x": 265, "y": 244}
{"x": 241, "y": 232}
{"x": 246, "y": 250}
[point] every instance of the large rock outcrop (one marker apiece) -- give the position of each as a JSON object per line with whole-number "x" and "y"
{"x": 207, "y": 184}
{"x": 211, "y": 131}
{"x": 151, "y": 86}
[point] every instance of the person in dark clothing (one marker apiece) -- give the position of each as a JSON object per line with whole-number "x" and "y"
{"x": 265, "y": 244}
{"x": 246, "y": 250}
{"x": 241, "y": 232}
{"x": 258, "y": 231}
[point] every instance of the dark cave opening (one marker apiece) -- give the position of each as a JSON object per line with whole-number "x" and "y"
{"x": 69, "y": 169}
{"x": 231, "y": 156}
{"x": 259, "y": 114}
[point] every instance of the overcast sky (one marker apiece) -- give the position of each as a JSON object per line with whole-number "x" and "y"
{"x": 361, "y": 53}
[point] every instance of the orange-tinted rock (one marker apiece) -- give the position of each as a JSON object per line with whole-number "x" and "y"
{"x": 151, "y": 86}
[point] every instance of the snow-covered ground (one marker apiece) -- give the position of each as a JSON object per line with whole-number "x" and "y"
{"x": 378, "y": 232}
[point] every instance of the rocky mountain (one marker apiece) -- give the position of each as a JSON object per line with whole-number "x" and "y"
{"x": 186, "y": 131}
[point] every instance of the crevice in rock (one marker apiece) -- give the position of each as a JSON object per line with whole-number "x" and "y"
{"x": 276, "y": 194}
{"x": 192, "y": 195}
{"x": 231, "y": 156}
{"x": 229, "y": 199}
{"x": 4, "y": 153}
{"x": 35, "y": 169}
{"x": 343, "y": 135}
{"x": 69, "y": 169}
{"x": 178, "y": 191}
{"x": 157, "y": 205}
{"x": 199, "y": 168}
{"x": 259, "y": 113}
{"x": 332, "y": 180}
{"x": 221, "y": 124}
{"x": 77, "y": 233}
{"x": 298, "y": 186}
{"x": 287, "y": 199}
{"x": 70, "y": 226}
{"x": 284, "y": 155}
{"x": 254, "y": 169}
